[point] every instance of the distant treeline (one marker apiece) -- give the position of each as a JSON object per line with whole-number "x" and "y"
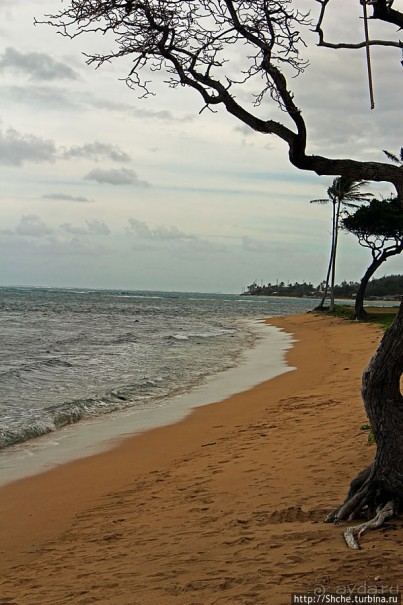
{"x": 390, "y": 286}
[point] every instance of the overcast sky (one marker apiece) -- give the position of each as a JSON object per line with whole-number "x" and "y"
{"x": 101, "y": 189}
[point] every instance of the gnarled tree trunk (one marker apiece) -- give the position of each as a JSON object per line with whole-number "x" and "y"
{"x": 381, "y": 484}
{"x": 359, "y": 311}
{"x": 384, "y": 406}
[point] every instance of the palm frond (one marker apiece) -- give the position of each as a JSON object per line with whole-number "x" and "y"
{"x": 356, "y": 197}
{"x": 322, "y": 201}
{"x": 351, "y": 205}
{"x": 346, "y": 193}
{"x": 394, "y": 158}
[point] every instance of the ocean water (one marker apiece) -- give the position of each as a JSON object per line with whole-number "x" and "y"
{"x": 67, "y": 355}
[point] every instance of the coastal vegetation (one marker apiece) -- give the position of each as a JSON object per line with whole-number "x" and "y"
{"x": 381, "y": 316}
{"x": 379, "y": 227}
{"x": 389, "y": 287}
{"x": 221, "y": 50}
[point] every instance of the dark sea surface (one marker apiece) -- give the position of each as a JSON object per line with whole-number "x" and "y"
{"x": 70, "y": 354}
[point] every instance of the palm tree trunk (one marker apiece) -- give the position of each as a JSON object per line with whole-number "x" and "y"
{"x": 330, "y": 266}
{"x": 329, "y": 269}
{"x": 335, "y": 239}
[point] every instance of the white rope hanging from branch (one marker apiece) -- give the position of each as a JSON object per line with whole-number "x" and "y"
{"x": 368, "y": 54}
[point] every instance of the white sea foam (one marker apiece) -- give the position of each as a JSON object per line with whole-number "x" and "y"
{"x": 260, "y": 363}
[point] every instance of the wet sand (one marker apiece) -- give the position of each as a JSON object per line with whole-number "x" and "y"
{"x": 263, "y": 361}
{"x": 226, "y": 506}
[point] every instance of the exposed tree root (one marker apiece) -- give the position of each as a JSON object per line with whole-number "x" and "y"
{"x": 365, "y": 499}
{"x": 382, "y": 513}
{"x": 377, "y": 492}
{"x": 357, "y": 498}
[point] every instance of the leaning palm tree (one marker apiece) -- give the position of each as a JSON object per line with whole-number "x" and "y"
{"x": 342, "y": 193}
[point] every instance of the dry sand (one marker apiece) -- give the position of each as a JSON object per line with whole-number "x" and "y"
{"x": 226, "y": 506}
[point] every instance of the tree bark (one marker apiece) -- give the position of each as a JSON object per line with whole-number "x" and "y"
{"x": 383, "y": 11}
{"x": 335, "y": 241}
{"x": 384, "y": 406}
{"x": 382, "y": 481}
{"x": 359, "y": 311}
{"x": 329, "y": 269}
{"x": 323, "y": 299}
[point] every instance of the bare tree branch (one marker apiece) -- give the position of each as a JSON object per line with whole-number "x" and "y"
{"x": 200, "y": 44}
{"x": 381, "y": 10}
{"x": 351, "y": 46}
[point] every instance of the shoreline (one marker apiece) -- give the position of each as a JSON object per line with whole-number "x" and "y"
{"x": 90, "y": 436}
{"x": 224, "y": 506}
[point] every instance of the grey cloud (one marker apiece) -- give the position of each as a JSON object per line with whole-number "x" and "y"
{"x": 56, "y": 98}
{"x": 245, "y": 130}
{"x": 249, "y": 244}
{"x": 52, "y": 247}
{"x": 74, "y": 247}
{"x": 68, "y": 228}
{"x": 40, "y": 66}
{"x": 98, "y": 228}
{"x": 16, "y": 148}
{"x": 139, "y": 228}
{"x": 162, "y": 115}
{"x": 93, "y": 228}
{"x": 199, "y": 249}
{"x": 172, "y": 233}
{"x": 64, "y": 197}
{"x": 96, "y": 150}
{"x": 334, "y": 102}
{"x": 33, "y": 226}
{"x": 51, "y": 98}
{"x": 171, "y": 240}
{"x": 142, "y": 230}
{"x": 146, "y": 114}
{"x": 42, "y": 97}
{"x": 114, "y": 176}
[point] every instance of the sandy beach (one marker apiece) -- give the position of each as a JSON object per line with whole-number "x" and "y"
{"x": 226, "y": 506}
